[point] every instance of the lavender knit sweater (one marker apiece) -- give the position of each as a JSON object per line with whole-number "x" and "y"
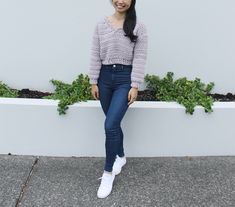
{"x": 110, "y": 46}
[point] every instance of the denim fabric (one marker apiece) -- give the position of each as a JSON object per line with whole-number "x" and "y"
{"x": 114, "y": 83}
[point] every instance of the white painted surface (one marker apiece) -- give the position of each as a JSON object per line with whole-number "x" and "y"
{"x": 34, "y": 127}
{"x": 41, "y": 40}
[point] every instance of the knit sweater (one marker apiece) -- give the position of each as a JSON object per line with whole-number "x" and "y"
{"x": 110, "y": 46}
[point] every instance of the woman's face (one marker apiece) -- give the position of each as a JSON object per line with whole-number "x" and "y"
{"x": 121, "y": 5}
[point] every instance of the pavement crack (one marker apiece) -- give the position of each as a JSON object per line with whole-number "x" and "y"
{"x": 25, "y": 184}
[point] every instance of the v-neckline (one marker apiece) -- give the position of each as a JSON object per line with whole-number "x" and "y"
{"x": 111, "y": 26}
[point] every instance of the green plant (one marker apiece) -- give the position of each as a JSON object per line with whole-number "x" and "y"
{"x": 6, "y": 91}
{"x": 68, "y": 94}
{"x": 186, "y": 92}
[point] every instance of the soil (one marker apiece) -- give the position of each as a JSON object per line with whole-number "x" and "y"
{"x": 27, "y": 93}
{"x": 145, "y": 95}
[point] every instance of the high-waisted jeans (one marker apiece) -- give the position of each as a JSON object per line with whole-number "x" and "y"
{"x": 114, "y": 83}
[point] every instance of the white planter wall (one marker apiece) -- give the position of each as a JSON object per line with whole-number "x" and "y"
{"x": 41, "y": 40}
{"x": 34, "y": 127}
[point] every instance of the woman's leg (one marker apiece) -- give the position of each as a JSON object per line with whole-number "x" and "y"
{"x": 113, "y": 131}
{"x": 105, "y": 99}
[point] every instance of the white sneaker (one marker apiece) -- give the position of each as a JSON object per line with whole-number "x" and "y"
{"x": 118, "y": 164}
{"x": 105, "y": 185}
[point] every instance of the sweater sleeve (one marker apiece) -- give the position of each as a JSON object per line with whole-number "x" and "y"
{"x": 95, "y": 61}
{"x": 140, "y": 56}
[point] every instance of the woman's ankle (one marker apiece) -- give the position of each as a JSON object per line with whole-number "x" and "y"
{"x": 107, "y": 172}
{"x": 122, "y": 156}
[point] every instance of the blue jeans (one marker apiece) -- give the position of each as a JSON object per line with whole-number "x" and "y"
{"x": 114, "y": 83}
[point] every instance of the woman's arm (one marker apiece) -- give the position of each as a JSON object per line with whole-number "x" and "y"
{"x": 95, "y": 62}
{"x": 140, "y": 56}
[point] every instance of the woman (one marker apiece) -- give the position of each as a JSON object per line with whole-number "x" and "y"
{"x": 118, "y": 57}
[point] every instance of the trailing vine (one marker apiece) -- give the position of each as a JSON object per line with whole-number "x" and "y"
{"x": 189, "y": 93}
{"x": 68, "y": 94}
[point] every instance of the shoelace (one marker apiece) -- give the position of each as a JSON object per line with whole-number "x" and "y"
{"x": 100, "y": 178}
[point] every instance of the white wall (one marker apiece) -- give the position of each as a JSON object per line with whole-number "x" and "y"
{"x": 34, "y": 127}
{"x": 41, "y": 40}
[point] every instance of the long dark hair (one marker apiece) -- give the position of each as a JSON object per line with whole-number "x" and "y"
{"x": 130, "y": 22}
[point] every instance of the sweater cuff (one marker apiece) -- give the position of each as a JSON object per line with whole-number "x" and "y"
{"x": 135, "y": 84}
{"x": 93, "y": 81}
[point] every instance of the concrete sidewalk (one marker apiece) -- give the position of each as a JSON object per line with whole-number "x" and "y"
{"x": 30, "y": 181}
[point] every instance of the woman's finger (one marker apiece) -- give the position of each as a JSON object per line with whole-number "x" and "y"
{"x": 93, "y": 94}
{"x": 131, "y": 100}
{"x": 129, "y": 96}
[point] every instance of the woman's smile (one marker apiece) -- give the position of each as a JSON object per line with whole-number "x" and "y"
{"x": 121, "y": 5}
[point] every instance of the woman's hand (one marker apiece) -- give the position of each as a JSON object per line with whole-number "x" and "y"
{"x": 95, "y": 91}
{"x": 132, "y": 95}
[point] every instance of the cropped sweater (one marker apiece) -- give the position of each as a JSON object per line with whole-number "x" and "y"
{"x": 110, "y": 46}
